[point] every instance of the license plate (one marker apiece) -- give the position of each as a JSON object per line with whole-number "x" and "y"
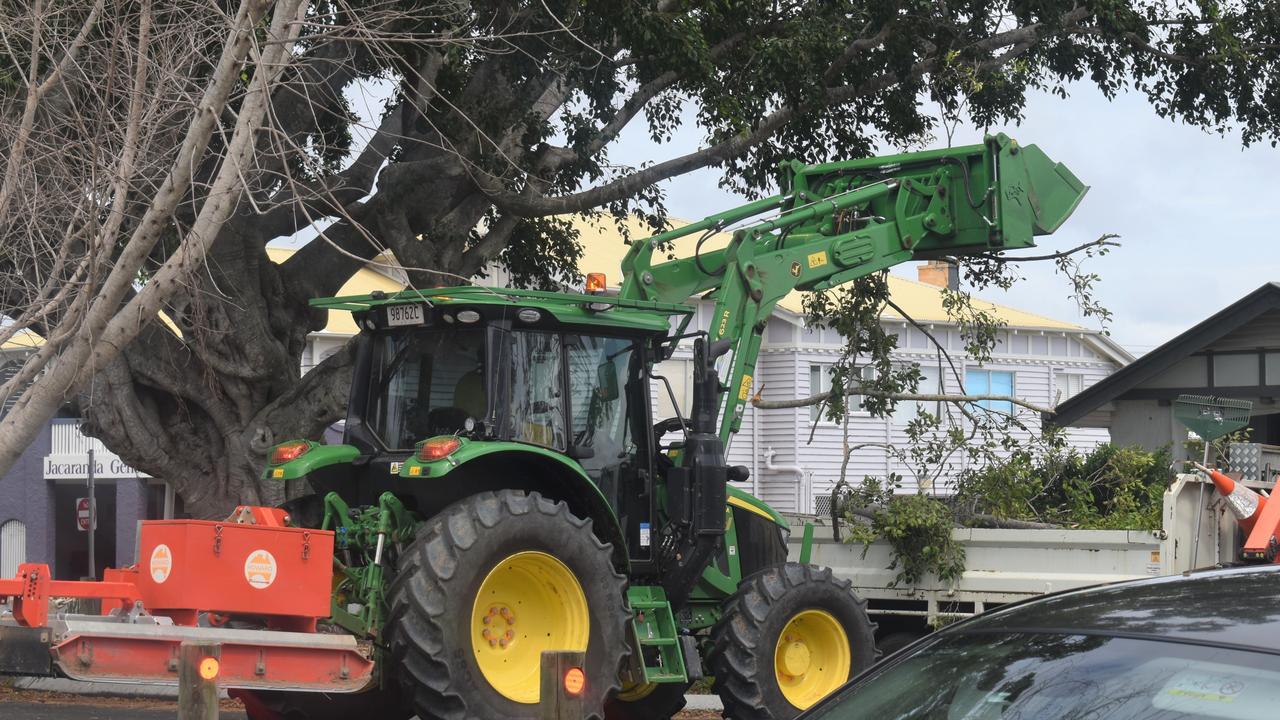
{"x": 398, "y": 315}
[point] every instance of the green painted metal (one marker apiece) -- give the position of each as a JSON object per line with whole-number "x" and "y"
{"x": 317, "y": 456}
{"x": 367, "y": 536}
{"x": 806, "y": 544}
{"x": 654, "y": 626}
{"x": 577, "y": 309}
{"x": 841, "y": 221}
{"x": 471, "y": 450}
{"x": 757, "y": 503}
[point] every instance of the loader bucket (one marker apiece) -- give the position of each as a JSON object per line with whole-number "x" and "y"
{"x": 1033, "y": 194}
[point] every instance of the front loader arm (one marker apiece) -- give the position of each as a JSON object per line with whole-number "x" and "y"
{"x": 837, "y": 222}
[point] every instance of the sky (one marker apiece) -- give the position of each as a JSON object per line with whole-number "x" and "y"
{"x": 1195, "y": 212}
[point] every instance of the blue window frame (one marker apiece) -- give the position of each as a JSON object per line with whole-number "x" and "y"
{"x": 990, "y": 382}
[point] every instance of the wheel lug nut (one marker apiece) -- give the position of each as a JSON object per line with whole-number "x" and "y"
{"x": 502, "y": 642}
{"x": 492, "y": 642}
{"x": 486, "y": 619}
{"x": 509, "y": 635}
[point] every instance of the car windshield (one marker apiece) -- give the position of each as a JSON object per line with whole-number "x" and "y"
{"x": 1032, "y": 676}
{"x": 429, "y": 382}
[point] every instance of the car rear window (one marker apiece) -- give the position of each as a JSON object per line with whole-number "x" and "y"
{"x": 990, "y": 676}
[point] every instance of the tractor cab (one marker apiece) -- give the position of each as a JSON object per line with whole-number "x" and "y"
{"x": 531, "y": 374}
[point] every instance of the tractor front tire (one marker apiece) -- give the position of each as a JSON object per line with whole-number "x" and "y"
{"x": 790, "y": 636}
{"x": 381, "y": 703}
{"x": 488, "y": 585}
{"x": 655, "y": 701}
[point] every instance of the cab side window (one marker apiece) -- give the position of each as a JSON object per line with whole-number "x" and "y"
{"x": 537, "y": 412}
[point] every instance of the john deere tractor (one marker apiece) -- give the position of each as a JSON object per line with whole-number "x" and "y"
{"x": 504, "y": 489}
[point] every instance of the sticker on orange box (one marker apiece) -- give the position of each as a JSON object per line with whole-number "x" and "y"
{"x": 161, "y": 563}
{"x": 260, "y": 569}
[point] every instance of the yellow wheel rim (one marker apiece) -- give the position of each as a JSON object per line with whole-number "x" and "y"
{"x": 635, "y": 692}
{"x": 528, "y": 603}
{"x": 812, "y": 657}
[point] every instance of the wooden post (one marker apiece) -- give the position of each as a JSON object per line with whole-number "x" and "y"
{"x": 198, "y": 666}
{"x": 557, "y": 702}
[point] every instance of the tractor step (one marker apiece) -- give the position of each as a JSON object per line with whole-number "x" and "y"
{"x": 656, "y": 636}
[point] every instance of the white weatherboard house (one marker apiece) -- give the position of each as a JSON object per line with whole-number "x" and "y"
{"x": 1039, "y": 359}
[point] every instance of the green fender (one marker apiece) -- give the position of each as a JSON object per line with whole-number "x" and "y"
{"x": 752, "y": 504}
{"x": 315, "y": 457}
{"x": 499, "y": 464}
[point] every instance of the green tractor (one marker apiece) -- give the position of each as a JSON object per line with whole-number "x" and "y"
{"x": 503, "y": 489}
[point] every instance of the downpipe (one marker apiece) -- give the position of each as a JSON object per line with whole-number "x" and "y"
{"x": 803, "y": 493}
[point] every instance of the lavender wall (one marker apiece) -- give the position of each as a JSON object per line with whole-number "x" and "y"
{"x": 25, "y": 495}
{"x": 131, "y": 506}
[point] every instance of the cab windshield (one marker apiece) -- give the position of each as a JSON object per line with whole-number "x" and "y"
{"x": 428, "y": 382}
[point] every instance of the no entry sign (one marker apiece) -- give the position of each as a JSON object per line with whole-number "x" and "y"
{"x": 82, "y": 514}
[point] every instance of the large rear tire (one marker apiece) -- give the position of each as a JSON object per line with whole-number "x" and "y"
{"x": 790, "y": 635}
{"x": 488, "y": 585}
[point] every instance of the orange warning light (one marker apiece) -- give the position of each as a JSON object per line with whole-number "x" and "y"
{"x": 574, "y": 681}
{"x": 595, "y": 283}
{"x": 209, "y": 668}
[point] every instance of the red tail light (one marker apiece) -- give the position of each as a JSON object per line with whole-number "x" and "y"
{"x": 289, "y": 451}
{"x": 438, "y": 448}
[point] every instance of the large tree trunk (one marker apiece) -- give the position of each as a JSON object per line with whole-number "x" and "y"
{"x": 202, "y": 409}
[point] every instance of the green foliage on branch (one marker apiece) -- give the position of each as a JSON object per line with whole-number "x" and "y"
{"x": 1108, "y": 488}
{"x": 918, "y": 529}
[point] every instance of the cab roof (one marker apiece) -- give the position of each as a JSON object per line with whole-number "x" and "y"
{"x": 568, "y": 308}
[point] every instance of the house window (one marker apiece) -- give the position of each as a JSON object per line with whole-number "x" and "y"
{"x": 820, "y": 382}
{"x": 678, "y": 373}
{"x": 1068, "y": 385}
{"x": 13, "y": 547}
{"x": 990, "y": 382}
{"x": 930, "y": 384}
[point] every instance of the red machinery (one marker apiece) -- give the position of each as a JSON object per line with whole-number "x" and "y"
{"x": 251, "y": 584}
{"x": 1259, "y": 518}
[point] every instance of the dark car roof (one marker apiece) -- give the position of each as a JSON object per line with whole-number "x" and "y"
{"x": 1238, "y": 606}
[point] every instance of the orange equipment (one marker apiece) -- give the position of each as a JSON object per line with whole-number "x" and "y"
{"x": 251, "y": 567}
{"x": 34, "y": 585}
{"x": 1258, "y": 518}
{"x": 281, "y": 573}
{"x": 1245, "y": 504}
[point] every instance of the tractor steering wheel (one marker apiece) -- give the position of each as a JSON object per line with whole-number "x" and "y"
{"x": 669, "y": 425}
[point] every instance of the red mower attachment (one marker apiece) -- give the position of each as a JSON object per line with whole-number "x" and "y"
{"x": 262, "y": 583}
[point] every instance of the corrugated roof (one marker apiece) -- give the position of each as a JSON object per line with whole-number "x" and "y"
{"x": 603, "y": 250}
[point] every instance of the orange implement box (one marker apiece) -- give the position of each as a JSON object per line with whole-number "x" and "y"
{"x": 230, "y": 568}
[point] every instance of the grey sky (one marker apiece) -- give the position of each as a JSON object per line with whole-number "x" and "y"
{"x": 1192, "y": 210}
